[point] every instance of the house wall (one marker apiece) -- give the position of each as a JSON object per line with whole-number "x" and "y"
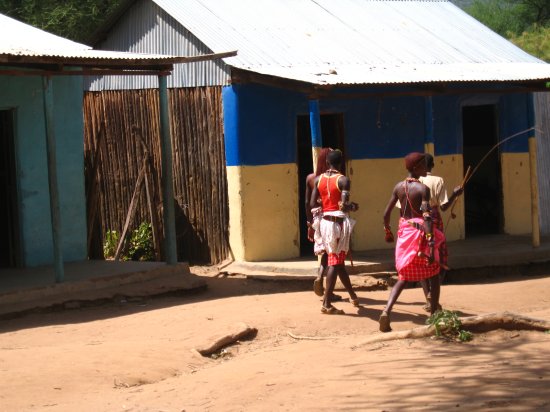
{"x": 260, "y": 138}
{"x": 147, "y": 28}
{"x": 25, "y": 96}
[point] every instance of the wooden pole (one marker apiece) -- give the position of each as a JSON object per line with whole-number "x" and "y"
{"x": 52, "y": 180}
{"x": 316, "y": 134}
{"x": 167, "y": 179}
{"x": 429, "y": 146}
{"x": 535, "y": 228}
{"x": 534, "y": 192}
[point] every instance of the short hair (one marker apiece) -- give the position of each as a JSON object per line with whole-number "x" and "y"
{"x": 429, "y": 161}
{"x": 322, "y": 165}
{"x": 334, "y": 157}
{"x": 414, "y": 159}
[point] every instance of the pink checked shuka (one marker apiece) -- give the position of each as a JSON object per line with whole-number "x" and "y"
{"x": 410, "y": 241}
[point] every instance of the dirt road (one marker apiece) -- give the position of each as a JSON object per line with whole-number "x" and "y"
{"x": 137, "y": 356}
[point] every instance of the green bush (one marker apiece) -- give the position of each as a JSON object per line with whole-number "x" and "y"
{"x": 535, "y": 41}
{"x": 141, "y": 243}
{"x": 109, "y": 245}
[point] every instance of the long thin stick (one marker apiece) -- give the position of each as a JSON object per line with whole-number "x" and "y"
{"x": 467, "y": 178}
{"x": 494, "y": 147}
{"x": 464, "y": 180}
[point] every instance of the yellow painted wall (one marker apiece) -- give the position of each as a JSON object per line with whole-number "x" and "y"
{"x": 264, "y": 209}
{"x": 263, "y": 219}
{"x": 372, "y": 182}
{"x": 516, "y": 193}
{"x": 450, "y": 168}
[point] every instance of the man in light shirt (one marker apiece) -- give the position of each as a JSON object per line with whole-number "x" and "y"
{"x": 439, "y": 202}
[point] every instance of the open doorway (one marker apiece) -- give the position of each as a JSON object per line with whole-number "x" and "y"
{"x": 332, "y": 130}
{"x": 9, "y": 247}
{"x": 483, "y": 194}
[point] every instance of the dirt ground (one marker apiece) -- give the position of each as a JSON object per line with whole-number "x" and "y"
{"x": 138, "y": 355}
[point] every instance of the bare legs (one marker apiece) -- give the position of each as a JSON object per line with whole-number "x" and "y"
{"x": 427, "y": 288}
{"x": 334, "y": 272}
{"x": 318, "y": 282}
{"x": 434, "y": 289}
{"x": 434, "y": 294}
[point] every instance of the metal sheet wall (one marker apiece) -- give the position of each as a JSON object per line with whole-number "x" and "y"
{"x": 542, "y": 110}
{"x": 146, "y": 28}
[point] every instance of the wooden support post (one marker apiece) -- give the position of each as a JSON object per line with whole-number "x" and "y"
{"x": 167, "y": 179}
{"x": 429, "y": 146}
{"x": 52, "y": 180}
{"x": 535, "y": 227}
{"x": 316, "y": 134}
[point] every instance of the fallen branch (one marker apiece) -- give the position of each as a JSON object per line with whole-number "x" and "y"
{"x": 416, "y": 333}
{"x": 503, "y": 320}
{"x": 301, "y": 337}
{"x": 237, "y": 332}
{"x": 481, "y": 323}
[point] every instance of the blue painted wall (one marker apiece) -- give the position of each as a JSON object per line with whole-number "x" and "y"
{"x": 24, "y": 95}
{"x": 260, "y": 124}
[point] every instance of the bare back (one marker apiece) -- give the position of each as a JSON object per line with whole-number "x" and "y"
{"x": 411, "y": 195}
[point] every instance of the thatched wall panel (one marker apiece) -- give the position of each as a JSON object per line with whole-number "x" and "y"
{"x": 121, "y": 130}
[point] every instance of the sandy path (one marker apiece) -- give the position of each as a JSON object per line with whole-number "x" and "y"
{"x": 137, "y": 355}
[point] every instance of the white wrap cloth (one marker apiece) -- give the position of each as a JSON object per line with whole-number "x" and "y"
{"x": 331, "y": 237}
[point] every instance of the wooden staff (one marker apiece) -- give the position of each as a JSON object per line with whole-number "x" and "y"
{"x": 464, "y": 181}
{"x": 468, "y": 177}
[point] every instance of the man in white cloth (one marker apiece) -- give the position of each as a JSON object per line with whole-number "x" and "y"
{"x": 333, "y": 230}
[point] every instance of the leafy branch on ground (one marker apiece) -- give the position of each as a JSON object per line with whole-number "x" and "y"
{"x": 447, "y": 324}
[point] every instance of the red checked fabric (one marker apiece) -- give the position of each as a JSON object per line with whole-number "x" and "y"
{"x": 418, "y": 269}
{"x": 337, "y": 259}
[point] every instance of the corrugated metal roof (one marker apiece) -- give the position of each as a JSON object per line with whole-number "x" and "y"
{"x": 22, "y": 43}
{"x": 358, "y": 41}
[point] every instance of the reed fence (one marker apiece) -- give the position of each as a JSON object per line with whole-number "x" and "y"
{"x": 123, "y": 169}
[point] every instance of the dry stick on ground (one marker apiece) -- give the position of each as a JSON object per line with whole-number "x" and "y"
{"x": 301, "y": 337}
{"x": 238, "y": 331}
{"x": 481, "y": 323}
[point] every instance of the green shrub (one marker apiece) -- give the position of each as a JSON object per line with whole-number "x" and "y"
{"x": 141, "y": 243}
{"x": 109, "y": 245}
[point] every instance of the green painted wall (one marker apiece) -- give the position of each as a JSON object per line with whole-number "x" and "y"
{"x": 24, "y": 95}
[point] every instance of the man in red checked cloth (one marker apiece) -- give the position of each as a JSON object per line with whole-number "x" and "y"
{"x": 333, "y": 230}
{"x": 417, "y": 247}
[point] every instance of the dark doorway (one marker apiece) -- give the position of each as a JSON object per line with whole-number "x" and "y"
{"x": 332, "y": 130}
{"x": 483, "y": 194}
{"x": 8, "y": 193}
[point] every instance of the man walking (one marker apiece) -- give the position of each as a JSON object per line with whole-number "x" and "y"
{"x": 438, "y": 203}
{"x": 333, "y": 230}
{"x": 416, "y": 250}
